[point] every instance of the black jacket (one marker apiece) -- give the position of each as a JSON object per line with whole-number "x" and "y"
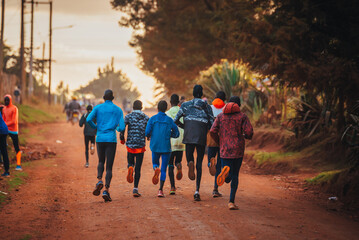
{"x": 88, "y": 130}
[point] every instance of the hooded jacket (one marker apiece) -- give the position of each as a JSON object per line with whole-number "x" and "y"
{"x": 230, "y": 130}
{"x": 11, "y": 117}
{"x": 88, "y": 130}
{"x": 3, "y": 127}
{"x": 136, "y": 125}
{"x": 198, "y": 118}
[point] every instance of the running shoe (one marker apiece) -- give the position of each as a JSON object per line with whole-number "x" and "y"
{"x": 135, "y": 193}
{"x": 156, "y": 178}
{"x": 98, "y": 188}
{"x": 216, "y": 194}
{"x": 222, "y": 176}
{"x": 92, "y": 149}
{"x": 160, "y": 194}
{"x": 5, "y": 174}
{"x": 197, "y": 197}
{"x": 18, "y": 168}
{"x": 173, "y": 191}
{"x": 179, "y": 174}
{"x": 212, "y": 166}
{"x": 87, "y": 165}
{"x": 232, "y": 206}
{"x": 191, "y": 174}
{"x": 106, "y": 196}
{"x": 130, "y": 174}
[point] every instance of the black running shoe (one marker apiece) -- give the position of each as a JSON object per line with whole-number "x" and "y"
{"x": 106, "y": 196}
{"x": 98, "y": 188}
{"x": 216, "y": 194}
{"x": 197, "y": 197}
{"x": 135, "y": 193}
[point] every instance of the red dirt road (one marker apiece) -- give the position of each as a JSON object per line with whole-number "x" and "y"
{"x": 57, "y": 203}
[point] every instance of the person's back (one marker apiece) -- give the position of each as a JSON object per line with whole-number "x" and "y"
{"x": 136, "y": 122}
{"x": 89, "y": 134}
{"x": 74, "y": 105}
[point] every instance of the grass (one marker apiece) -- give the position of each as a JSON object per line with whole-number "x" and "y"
{"x": 323, "y": 177}
{"x": 28, "y": 114}
{"x": 17, "y": 180}
{"x": 262, "y": 157}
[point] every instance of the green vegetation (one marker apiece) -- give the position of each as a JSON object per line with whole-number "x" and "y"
{"x": 28, "y": 114}
{"x": 262, "y": 157}
{"x": 17, "y": 180}
{"x": 26, "y": 237}
{"x": 323, "y": 177}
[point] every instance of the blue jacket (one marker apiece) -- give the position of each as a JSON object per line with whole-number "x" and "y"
{"x": 161, "y": 128}
{"x": 109, "y": 118}
{"x": 3, "y": 126}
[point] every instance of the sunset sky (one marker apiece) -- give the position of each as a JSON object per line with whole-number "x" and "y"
{"x": 78, "y": 51}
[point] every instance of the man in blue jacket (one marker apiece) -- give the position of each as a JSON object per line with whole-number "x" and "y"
{"x": 160, "y": 128}
{"x": 109, "y": 118}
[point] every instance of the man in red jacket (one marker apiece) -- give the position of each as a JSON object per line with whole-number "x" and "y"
{"x": 230, "y": 130}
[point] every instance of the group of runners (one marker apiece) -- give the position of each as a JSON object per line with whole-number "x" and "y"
{"x": 186, "y": 126}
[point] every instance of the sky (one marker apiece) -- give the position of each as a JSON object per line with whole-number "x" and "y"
{"x": 78, "y": 51}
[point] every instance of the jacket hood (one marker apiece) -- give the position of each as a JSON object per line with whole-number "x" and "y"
{"x": 9, "y": 96}
{"x": 218, "y": 103}
{"x": 231, "y": 108}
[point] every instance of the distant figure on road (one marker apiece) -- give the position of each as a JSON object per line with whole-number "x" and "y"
{"x": 10, "y": 115}
{"x": 67, "y": 111}
{"x": 126, "y": 104}
{"x": 74, "y": 105}
{"x": 89, "y": 134}
{"x": 109, "y": 118}
{"x": 230, "y": 130}
{"x": 17, "y": 94}
{"x": 160, "y": 128}
{"x": 136, "y": 143}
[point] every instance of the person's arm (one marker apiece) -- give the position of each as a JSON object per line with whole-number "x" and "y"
{"x": 247, "y": 128}
{"x": 174, "y": 130}
{"x": 215, "y": 130}
{"x": 148, "y": 131}
{"x": 82, "y": 120}
{"x": 121, "y": 123}
{"x": 91, "y": 116}
{"x": 210, "y": 116}
{"x": 178, "y": 117}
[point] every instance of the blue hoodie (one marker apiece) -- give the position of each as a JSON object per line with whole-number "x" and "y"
{"x": 161, "y": 128}
{"x": 109, "y": 118}
{"x": 3, "y": 126}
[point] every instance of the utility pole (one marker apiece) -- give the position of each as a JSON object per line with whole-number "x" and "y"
{"x": 22, "y": 58}
{"x": 31, "y": 80}
{"x": 2, "y": 36}
{"x": 50, "y": 54}
{"x": 43, "y": 63}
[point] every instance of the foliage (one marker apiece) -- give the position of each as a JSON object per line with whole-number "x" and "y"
{"x": 323, "y": 177}
{"x": 28, "y": 114}
{"x": 109, "y": 78}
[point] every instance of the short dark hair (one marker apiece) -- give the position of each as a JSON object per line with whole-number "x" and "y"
{"x": 89, "y": 107}
{"x": 137, "y": 105}
{"x": 235, "y": 99}
{"x": 108, "y": 95}
{"x": 162, "y": 106}
{"x": 174, "y": 99}
{"x": 197, "y": 91}
{"x": 221, "y": 95}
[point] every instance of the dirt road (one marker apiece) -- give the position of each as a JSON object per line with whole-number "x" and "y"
{"x": 57, "y": 203}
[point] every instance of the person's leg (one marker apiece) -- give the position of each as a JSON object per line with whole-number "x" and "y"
{"x": 178, "y": 164}
{"x": 200, "y": 154}
{"x": 101, "y": 152}
{"x": 211, "y": 154}
{"x": 218, "y": 167}
{"x": 15, "y": 141}
{"x": 164, "y": 164}
{"x": 110, "y": 157}
{"x": 156, "y": 165}
{"x": 4, "y": 154}
{"x": 92, "y": 147}
{"x": 171, "y": 168}
{"x": 190, "y": 160}
{"x": 235, "y": 167}
{"x": 87, "y": 141}
{"x": 130, "y": 166}
{"x": 139, "y": 160}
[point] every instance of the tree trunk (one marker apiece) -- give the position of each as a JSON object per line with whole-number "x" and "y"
{"x": 341, "y": 117}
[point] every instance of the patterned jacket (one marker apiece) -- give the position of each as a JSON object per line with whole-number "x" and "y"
{"x": 230, "y": 129}
{"x": 198, "y": 118}
{"x": 136, "y": 123}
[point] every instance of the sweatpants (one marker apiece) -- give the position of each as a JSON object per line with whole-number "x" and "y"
{"x": 15, "y": 141}
{"x": 88, "y": 139}
{"x": 190, "y": 158}
{"x": 3, "y": 150}
{"x": 156, "y": 163}
{"x": 175, "y": 158}
{"x": 106, "y": 152}
{"x": 212, "y": 153}
{"x": 234, "y": 165}
{"x": 135, "y": 163}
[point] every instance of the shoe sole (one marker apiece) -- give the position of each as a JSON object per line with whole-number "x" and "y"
{"x": 191, "y": 174}
{"x": 233, "y": 207}
{"x": 130, "y": 175}
{"x": 212, "y": 167}
{"x": 222, "y": 176}
{"x": 172, "y": 193}
{"x": 106, "y": 198}
{"x": 197, "y": 199}
{"x": 216, "y": 195}
{"x": 179, "y": 174}
{"x": 97, "y": 190}
{"x": 155, "y": 178}
{"x": 18, "y": 169}
{"x": 136, "y": 195}
{"x": 161, "y": 196}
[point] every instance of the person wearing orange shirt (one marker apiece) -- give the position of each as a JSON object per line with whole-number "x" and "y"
{"x": 10, "y": 115}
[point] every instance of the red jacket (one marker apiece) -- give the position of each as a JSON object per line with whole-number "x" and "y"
{"x": 10, "y": 115}
{"x": 230, "y": 129}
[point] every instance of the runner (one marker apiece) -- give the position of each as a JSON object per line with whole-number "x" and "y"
{"x": 230, "y": 130}
{"x": 11, "y": 118}
{"x": 136, "y": 143}
{"x": 177, "y": 146}
{"x": 109, "y": 118}
{"x": 160, "y": 128}
{"x": 213, "y": 148}
{"x": 198, "y": 118}
{"x": 89, "y": 134}
{"x": 3, "y": 147}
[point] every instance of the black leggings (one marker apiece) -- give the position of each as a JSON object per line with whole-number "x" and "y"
{"x": 15, "y": 141}
{"x": 88, "y": 139}
{"x": 200, "y": 154}
{"x": 106, "y": 151}
{"x": 175, "y": 158}
{"x": 3, "y": 150}
{"x": 131, "y": 162}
